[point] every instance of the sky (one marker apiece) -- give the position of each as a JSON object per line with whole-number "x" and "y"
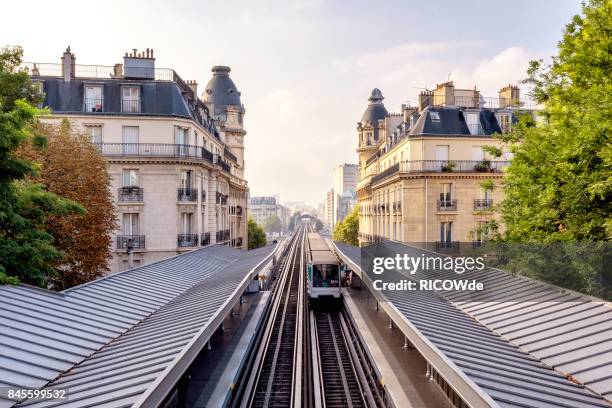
{"x": 305, "y": 68}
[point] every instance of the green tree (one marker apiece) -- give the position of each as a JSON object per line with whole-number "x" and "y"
{"x": 256, "y": 234}
{"x": 27, "y": 253}
{"x": 348, "y": 229}
{"x": 72, "y": 167}
{"x": 559, "y": 185}
{"x": 272, "y": 224}
{"x": 558, "y": 188}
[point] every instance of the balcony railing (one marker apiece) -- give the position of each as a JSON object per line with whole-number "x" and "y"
{"x": 223, "y": 235}
{"x": 476, "y": 102}
{"x": 93, "y": 105}
{"x": 130, "y": 241}
{"x": 445, "y": 246}
{"x": 447, "y": 205}
{"x": 205, "y": 238}
{"x": 187, "y": 240}
{"x": 154, "y": 150}
{"x": 227, "y": 153}
{"x": 224, "y": 165}
{"x": 187, "y": 194}
{"x": 221, "y": 199}
{"x": 482, "y": 204}
{"x": 386, "y": 173}
{"x": 130, "y": 193}
{"x": 130, "y": 105}
{"x": 90, "y": 71}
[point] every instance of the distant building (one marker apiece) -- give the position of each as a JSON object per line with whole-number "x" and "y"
{"x": 345, "y": 178}
{"x": 330, "y": 199}
{"x": 421, "y": 170}
{"x": 263, "y": 207}
{"x": 176, "y": 161}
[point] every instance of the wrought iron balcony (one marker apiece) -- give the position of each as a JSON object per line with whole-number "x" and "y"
{"x": 187, "y": 240}
{"x": 221, "y": 199}
{"x": 93, "y": 105}
{"x": 224, "y": 165}
{"x": 446, "y": 246}
{"x": 481, "y": 204}
{"x": 447, "y": 205}
{"x": 130, "y": 193}
{"x": 153, "y": 150}
{"x": 130, "y": 105}
{"x": 205, "y": 238}
{"x": 130, "y": 241}
{"x": 187, "y": 194}
{"x": 223, "y": 235}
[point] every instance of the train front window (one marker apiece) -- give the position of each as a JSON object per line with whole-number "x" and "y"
{"x": 325, "y": 276}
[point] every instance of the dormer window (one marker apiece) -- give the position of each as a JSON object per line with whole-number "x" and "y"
{"x": 130, "y": 99}
{"x": 505, "y": 123}
{"x": 435, "y": 116}
{"x": 94, "y": 101}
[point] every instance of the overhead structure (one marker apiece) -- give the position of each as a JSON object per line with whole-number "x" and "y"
{"x": 122, "y": 340}
{"x": 521, "y": 343}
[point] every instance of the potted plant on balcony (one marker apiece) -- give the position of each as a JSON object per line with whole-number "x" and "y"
{"x": 483, "y": 166}
{"x": 448, "y": 167}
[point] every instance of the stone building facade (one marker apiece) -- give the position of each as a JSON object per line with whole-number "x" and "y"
{"x": 425, "y": 176}
{"x": 176, "y": 160}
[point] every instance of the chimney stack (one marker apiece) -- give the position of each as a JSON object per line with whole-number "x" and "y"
{"x": 68, "y": 65}
{"x": 139, "y": 65}
{"x": 194, "y": 87}
{"x": 509, "y": 95}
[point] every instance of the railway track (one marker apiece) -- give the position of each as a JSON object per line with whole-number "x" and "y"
{"x": 277, "y": 369}
{"x": 346, "y": 378}
{"x": 309, "y": 357}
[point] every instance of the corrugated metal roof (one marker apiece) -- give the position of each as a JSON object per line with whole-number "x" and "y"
{"x": 122, "y": 330}
{"x": 492, "y": 350}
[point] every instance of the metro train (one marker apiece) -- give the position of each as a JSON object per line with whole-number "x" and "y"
{"x": 323, "y": 269}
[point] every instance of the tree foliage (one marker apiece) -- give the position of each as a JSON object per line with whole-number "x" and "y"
{"x": 72, "y": 167}
{"x": 27, "y": 253}
{"x": 559, "y": 185}
{"x": 558, "y": 188}
{"x": 347, "y": 230}
{"x": 256, "y": 234}
{"x": 272, "y": 224}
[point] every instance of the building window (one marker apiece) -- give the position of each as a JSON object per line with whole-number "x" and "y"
{"x": 38, "y": 87}
{"x": 477, "y": 153}
{"x": 446, "y": 232}
{"x": 473, "y": 123}
{"x": 442, "y": 153}
{"x": 181, "y": 139}
{"x": 186, "y": 179}
{"x": 130, "y": 139}
{"x": 93, "y": 98}
{"x": 505, "y": 123}
{"x": 130, "y": 178}
{"x": 95, "y": 133}
{"x": 186, "y": 223}
{"x": 446, "y": 200}
{"x": 435, "y": 116}
{"x": 130, "y": 99}
{"x": 131, "y": 224}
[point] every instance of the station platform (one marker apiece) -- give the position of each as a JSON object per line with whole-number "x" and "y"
{"x": 214, "y": 373}
{"x": 402, "y": 369}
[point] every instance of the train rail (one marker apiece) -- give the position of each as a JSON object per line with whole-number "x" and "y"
{"x": 276, "y": 377}
{"x": 342, "y": 369}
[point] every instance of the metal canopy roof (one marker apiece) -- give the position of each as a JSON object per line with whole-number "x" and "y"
{"x": 116, "y": 337}
{"x": 506, "y": 348}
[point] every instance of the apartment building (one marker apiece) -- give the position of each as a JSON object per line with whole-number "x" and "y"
{"x": 263, "y": 207}
{"x": 424, "y": 174}
{"x": 176, "y": 160}
{"x": 344, "y": 184}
